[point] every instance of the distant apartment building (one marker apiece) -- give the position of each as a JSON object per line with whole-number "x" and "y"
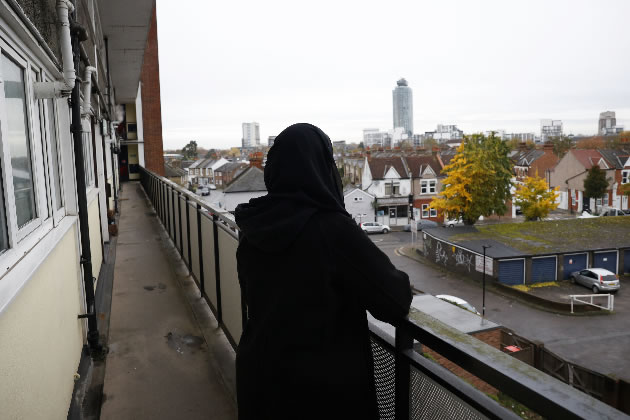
{"x": 444, "y": 133}
{"x": 497, "y": 133}
{"x": 373, "y": 137}
{"x": 271, "y": 140}
{"x": 251, "y": 135}
{"x": 522, "y": 137}
{"x": 608, "y": 124}
{"x": 403, "y": 107}
{"x": 339, "y": 144}
{"x": 550, "y": 129}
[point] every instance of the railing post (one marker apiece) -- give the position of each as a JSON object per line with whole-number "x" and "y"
{"x": 217, "y": 268}
{"x": 174, "y": 218}
{"x": 168, "y": 209}
{"x": 404, "y": 342}
{"x": 202, "y": 280}
{"x": 179, "y": 213}
{"x": 188, "y": 233}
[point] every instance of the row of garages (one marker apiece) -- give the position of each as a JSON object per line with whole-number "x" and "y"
{"x": 553, "y": 267}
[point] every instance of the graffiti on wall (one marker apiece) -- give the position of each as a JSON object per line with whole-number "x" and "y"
{"x": 443, "y": 253}
{"x": 463, "y": 259}
{"x": 440, "y": 254}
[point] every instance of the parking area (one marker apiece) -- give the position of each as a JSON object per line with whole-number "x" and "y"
{"x": 598, "y": 342}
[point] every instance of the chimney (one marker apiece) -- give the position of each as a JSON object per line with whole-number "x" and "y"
{"x": 522, "y": 146}
{"x": 256, "y": 160}
{"x": 435, "y": 150}
{"x": 548, "y": 148}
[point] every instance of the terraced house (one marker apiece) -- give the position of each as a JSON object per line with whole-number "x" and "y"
{"x": 72, "y": 73}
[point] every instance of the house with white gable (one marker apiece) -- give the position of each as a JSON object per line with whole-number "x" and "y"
{"x": 359, "y": 204}
{"x": 386, "y": 177}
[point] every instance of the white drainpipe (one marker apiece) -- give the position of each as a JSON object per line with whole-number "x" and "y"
{"x": 61, "y": 88}
{"x": 86, "y": 109}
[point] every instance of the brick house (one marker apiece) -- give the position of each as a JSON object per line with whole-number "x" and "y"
{"x": 426, "y": 175}
{"x": 227, "y": 172}
{"x": 534, "y": 162}
{"x": 569, "y": 175}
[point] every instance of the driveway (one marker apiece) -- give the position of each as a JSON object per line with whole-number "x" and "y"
{"x": 597, "y": 342}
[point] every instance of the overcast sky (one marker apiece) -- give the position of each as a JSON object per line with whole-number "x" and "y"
{"x": 482, "y": 65}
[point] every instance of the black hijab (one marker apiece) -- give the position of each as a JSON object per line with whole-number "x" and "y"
{"x": 301, "y": 179}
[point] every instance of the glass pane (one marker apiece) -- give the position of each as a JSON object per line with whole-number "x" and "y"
{"x": 52, "y": 135}
{"x": 19, "y": 145}
{"x": 39, "y": 135}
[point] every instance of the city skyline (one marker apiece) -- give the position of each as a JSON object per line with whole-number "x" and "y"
{"x": 490, "y": 67}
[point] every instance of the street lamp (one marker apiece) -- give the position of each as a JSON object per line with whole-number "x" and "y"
{"x": 483, "y": 304}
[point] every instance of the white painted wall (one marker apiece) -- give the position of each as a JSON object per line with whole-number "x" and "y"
{"x": 40, "y": 335}
{"x": 360, "y": 206}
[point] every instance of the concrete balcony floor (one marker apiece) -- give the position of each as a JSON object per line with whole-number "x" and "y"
{"x": 167, "y": 357}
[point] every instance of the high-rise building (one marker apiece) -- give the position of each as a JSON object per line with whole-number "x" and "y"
{"x": 550, "y": 129}
{"x": 608, "y": 124}
{"x": 251, "y": 135}
{"x": 270, "y": 140}
{"x": 403, "y": 107}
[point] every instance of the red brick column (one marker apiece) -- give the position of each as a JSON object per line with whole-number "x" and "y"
{"x": 151, "y": 105}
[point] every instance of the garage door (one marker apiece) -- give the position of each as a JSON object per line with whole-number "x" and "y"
{"x": 511, "y": 272}
{"x": 626, "y": 261}
{"x": 607, "y": 260}
{"x": 574, "y": 262}
{"x": 543, "y": 269}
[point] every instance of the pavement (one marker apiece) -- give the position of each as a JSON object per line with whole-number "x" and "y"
{"x": 597, "y": 342}
{"x": 166, "y": 352}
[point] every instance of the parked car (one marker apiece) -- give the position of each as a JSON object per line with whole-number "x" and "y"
{"x": 458, "y": 302}
{"x": 374, "y": 227}
{"x": 586, "y": 215}
{"x": 454, "y": 222}
{"x": 203, "y": 191}
{"x": 613, "y": 212}
{"x": 626, "y": 212}
{"x": 596, "y": 279}
{"x": 421, "y": 224}
{"x": 518, "y": 209}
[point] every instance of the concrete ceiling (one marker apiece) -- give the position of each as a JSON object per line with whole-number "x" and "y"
{"x": 125, "y": 23}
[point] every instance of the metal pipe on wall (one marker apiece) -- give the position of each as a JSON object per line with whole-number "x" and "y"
{"x": 86, "y": 253}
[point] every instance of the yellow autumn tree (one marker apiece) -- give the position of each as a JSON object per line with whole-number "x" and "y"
{"x": 478, "y": 180}
{"x": 535, "y": 198}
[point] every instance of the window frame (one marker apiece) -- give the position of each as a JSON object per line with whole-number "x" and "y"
{"x": 18, "y": 233}
{"x": 58, "y": 212}
{"x": 625, "y": 174}
{"x": 425, "y": 211}
{"x": 426, "y": 187}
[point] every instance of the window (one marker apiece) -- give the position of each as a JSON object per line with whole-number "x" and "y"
{"x": 625, "y": 177}
{"x": 392, "y": 188}
{"x": 30, "y": 180}
{"x": 18, "y": 140}
{"x": 428, "y": 212}
{"x": 428, "y": 186}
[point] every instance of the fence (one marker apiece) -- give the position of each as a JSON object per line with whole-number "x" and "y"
{"x": 407, "y": 384}
{"x": 614, "y": 392}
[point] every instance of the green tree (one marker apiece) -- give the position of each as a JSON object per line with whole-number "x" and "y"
{"x": 535, "y": 198}
{"x": 595, "y": 184}
{"x": 561, "y": 145}
{"x": 478, "y": 180}
{"x": 211, "y": 154}
{"x": 190, "y": 150}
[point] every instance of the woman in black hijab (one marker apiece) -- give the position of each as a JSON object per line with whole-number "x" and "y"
{"x": 308, "y": 274}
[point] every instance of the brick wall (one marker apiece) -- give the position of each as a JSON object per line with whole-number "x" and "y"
{"x": 492, "y": 338}
{"x": 151, "y": 105}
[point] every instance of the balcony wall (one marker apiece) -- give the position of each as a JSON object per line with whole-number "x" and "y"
{"x": 408, "y": 385}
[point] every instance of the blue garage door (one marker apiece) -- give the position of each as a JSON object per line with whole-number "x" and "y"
{"x": 573, "y": 262}
{"x": 607, "y": 260}
{"x": 626, "y": 261}
{"x": 543, "y": 269}
{"x": 511, "y": 272}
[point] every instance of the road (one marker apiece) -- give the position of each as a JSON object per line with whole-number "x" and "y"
{"x": 600, "y": 342}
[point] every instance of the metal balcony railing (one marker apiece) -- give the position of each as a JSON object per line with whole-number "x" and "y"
{"x": 409, "y": 386}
